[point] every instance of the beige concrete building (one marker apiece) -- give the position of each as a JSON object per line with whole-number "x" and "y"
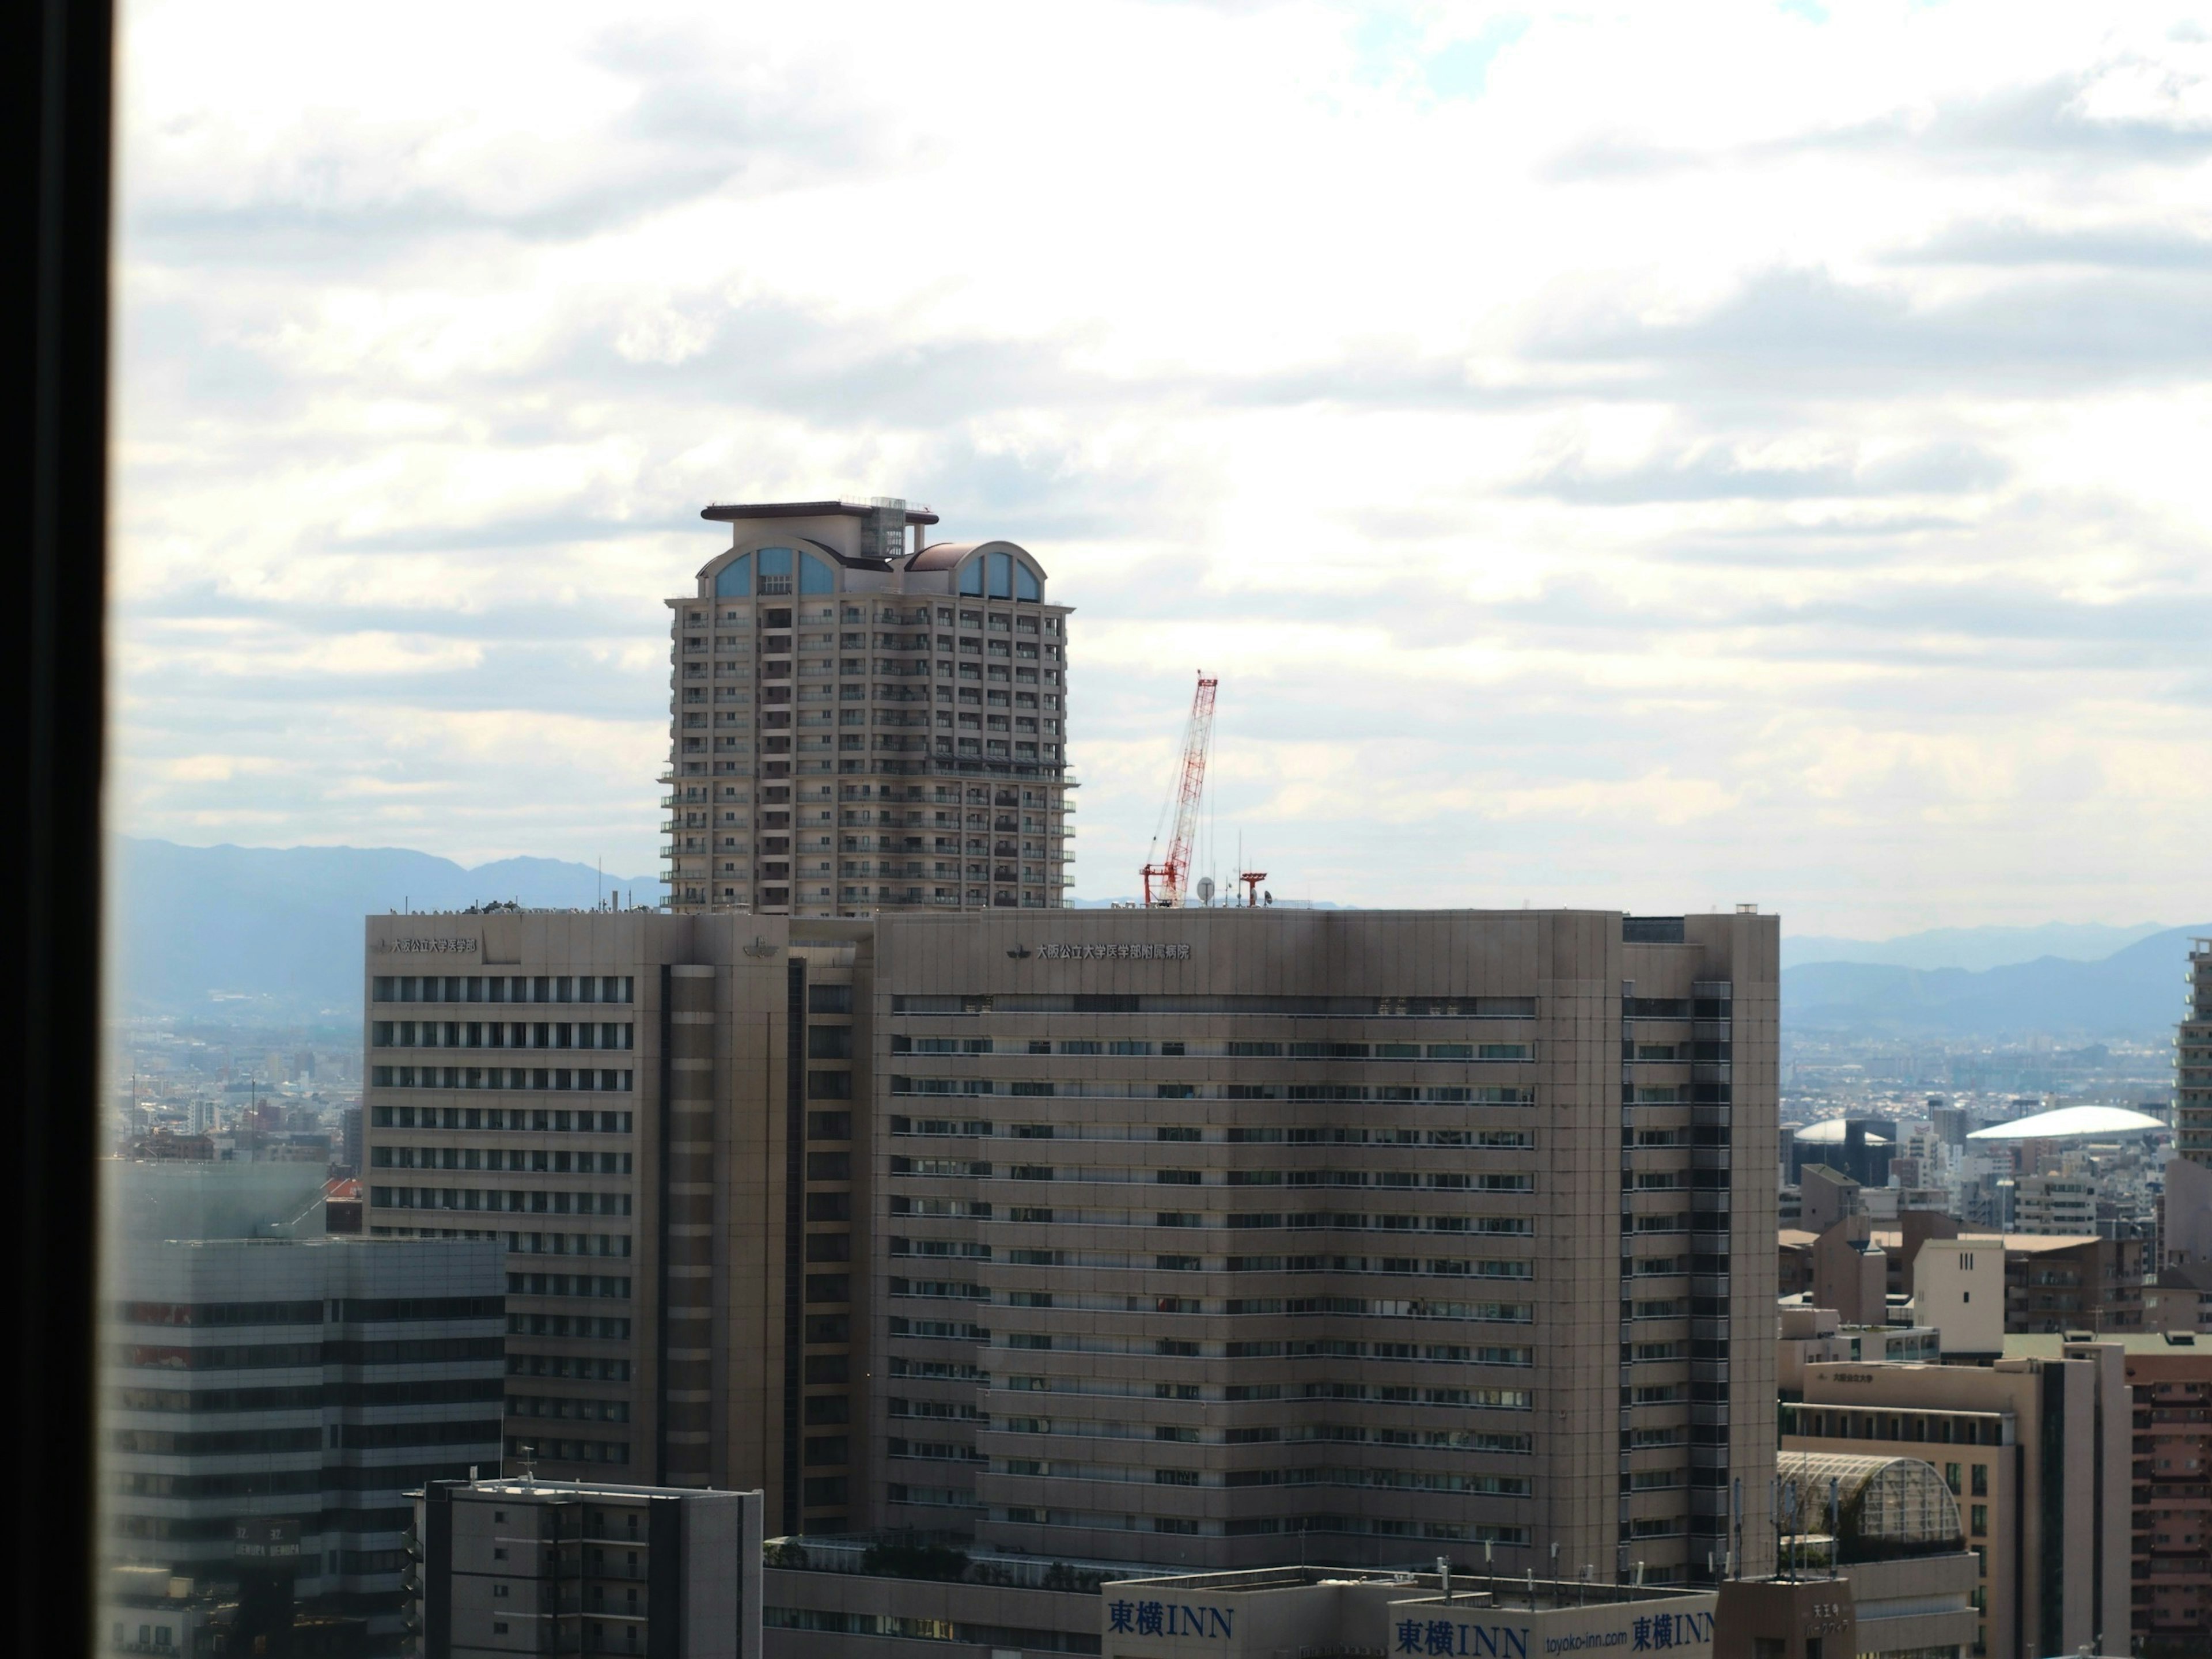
{"x": 1817, "y": 1336}
{"x": 656, "y": 1114}
{"x": 2036, "y": 1450}
{"x": 859, "y": 723}
{"x": 1959, "y": 1287}
{"x": 1162, "y": 1236}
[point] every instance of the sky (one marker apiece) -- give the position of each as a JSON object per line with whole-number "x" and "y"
{"x": 1649, "y": 458}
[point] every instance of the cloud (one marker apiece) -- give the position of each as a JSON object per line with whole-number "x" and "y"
{"x": 1636, "y": 459}
{"x": 1714, "y": 474}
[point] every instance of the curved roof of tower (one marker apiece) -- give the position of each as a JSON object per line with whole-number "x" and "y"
{"x": 942, "y": 555}
{"x": 2071, "y": 1123}
{"x": 723, "y": 512}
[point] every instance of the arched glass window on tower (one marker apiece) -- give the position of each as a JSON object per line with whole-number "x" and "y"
{"x": 815, "y": 576}
{"x": 971, "y": 578}
{"x": 1026, "y": 585}
{"x": 734, "y": 580}
{"x": 1002, "y": 575}
{"x": 775, "y": 564}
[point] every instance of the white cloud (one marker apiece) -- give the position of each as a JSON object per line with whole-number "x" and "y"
{"x": 1635, "y": 458}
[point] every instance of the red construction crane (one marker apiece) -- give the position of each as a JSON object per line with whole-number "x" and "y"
{"x": 1197, "y": 737}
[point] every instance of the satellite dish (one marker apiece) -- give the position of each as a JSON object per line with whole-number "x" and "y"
{"x": 1205, "y": 889}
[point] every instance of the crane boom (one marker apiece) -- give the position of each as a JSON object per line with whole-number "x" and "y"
{"x": 1197, "y": 740}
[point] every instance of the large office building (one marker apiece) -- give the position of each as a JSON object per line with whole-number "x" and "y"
{"x": 859, "y": 722}
{"x": 271, "y": 1402}
{"x": 1168, "y": 1236}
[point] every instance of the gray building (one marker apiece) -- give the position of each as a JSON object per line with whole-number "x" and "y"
{"x": 271, "y": 1403}
{"x": 524, "y": 1567}
{"x": 1166, "y": 1236}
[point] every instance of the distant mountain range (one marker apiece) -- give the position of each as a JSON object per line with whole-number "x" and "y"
{"x": 262, "y": 933}
{"x": 1971, "y": 948}
{"x": 258, "y": 934}
{"x": 2133, "y": 992}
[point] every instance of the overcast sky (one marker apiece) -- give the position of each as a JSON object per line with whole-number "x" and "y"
{"x": 1648, "y": 458}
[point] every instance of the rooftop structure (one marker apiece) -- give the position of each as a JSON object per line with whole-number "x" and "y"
{"x": 1865, "y": 1508}
{"x": 1877, "y": 1566}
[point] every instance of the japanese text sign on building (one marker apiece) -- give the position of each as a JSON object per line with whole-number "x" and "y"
{"x": 1147, "y": 1617}
{"x": 1114, "y": 952}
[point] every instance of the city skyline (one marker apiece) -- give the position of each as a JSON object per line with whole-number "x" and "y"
{"x": 1830, "y": 552}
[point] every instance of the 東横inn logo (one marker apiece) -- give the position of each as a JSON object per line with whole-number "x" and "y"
{"x": 1169, "y": 1619}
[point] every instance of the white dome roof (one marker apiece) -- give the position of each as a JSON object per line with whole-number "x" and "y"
{"x": 2071, "y": 1122}
{"x": 1831, "y": 1132}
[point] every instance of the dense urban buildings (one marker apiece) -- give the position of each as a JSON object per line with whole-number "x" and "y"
{"x": 857, "y": 724}
{"x": 521, "y": 1565}
{"x": 270, "y": 1404}
{"x": 2035, "y": 1447}
{"x": 1201, "y": 1238}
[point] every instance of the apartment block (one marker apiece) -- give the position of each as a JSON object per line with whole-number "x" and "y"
{"x": 2170, "y": 1381}
{"x": 271, "y": 1402}
{"x": 520, "y": 1566}
{"x": 2079, "y": 1283}
{"x": 1162, "y": 1236}
{"x": 859, "y": 722}
{"x": 2035, "y": 1449}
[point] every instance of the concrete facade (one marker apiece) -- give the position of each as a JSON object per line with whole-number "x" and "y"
{"x": 1959, "y": 1287}
{"x": 1113, "y": 1324}
{"x": 857, "y": 724}
{"x": 1168, "y": 1236}
{"x": 2036, "y": 1452}
{"x": 2170, "y": 1382}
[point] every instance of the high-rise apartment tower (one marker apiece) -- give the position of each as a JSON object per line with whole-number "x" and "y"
{"x": 862, "y": 722}
{"x": 2192, "y": 1078}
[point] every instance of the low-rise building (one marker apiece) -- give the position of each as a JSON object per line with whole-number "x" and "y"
{"x": 1812, "y": 1336}
{"x": 527, "y": 1567}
